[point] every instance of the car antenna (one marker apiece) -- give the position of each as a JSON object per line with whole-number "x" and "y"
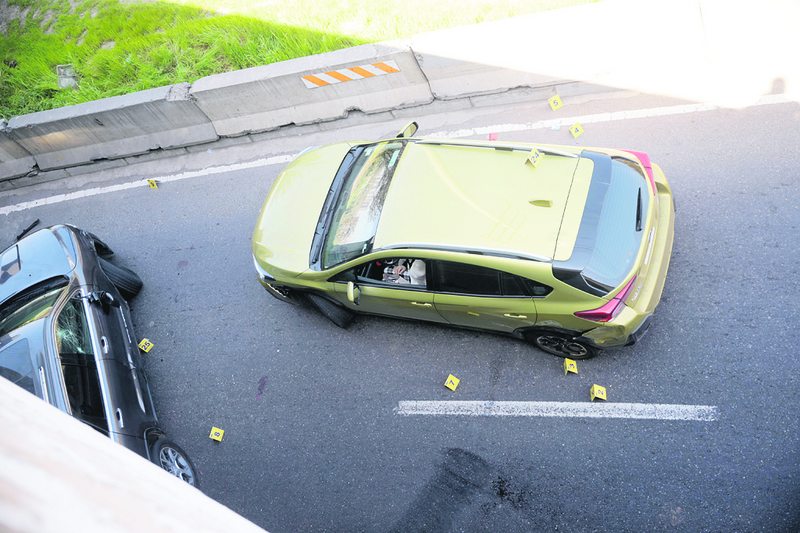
{"x": 29, "y": 228}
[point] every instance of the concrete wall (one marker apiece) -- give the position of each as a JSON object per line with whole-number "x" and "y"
{"x": 110, "y": 128}
{"x": 14, "y": 159}
{"x": 263, "y": 98}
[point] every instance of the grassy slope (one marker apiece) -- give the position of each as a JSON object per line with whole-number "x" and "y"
{"x": 159, "y": 43}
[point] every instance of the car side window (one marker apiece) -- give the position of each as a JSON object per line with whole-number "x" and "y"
{"x": 467, "y": 279}
{"x": 396, "y": 272}
{"x": 461, "y": 278}
{"x": 78, "y": 366}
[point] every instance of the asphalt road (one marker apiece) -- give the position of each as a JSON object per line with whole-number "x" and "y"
{"x": 312, "y": 441}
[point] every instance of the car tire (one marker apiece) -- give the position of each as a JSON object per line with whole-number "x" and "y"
{"x": 127, "y": 282}
{"x": 102, "y": 249}
{"x": 171, "y": 457}
{"x": 335, "y": 313}
{"x": 561, "y": 345}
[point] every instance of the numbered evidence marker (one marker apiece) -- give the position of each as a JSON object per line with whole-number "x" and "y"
{"x": 570, "y": 366}
{"x": 146, "y": 345}
{"x": 555, "y": 102}
{"x": 534, "y": 158}
{"x": 216, "y": 434}
{"x": 452, "y": 382}
{"x": 576, "y": 130}
{"x": 152, "y": 183}
{"x": 597, "y": 392}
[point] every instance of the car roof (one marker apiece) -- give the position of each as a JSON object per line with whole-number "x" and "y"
{"x": 474, "y": 195}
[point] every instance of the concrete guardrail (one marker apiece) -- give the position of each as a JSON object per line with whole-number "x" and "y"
{"x": 115, "y": 127}
{"x": 15, "y": 160}
{"x": 368, "y": 78}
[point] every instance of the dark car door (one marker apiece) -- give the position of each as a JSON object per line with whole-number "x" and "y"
{"x": 133, "y": 411}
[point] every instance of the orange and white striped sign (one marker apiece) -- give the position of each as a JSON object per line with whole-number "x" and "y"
{"x": 331, "y": 77}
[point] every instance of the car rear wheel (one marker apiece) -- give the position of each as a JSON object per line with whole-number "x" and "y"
{"x": 127, "y": 282}
{"x": 335, "y": 313}
{"x": 562, "y": 345}
{"x": 174, "y": 460}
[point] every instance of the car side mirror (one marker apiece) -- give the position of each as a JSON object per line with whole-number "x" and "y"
{"x": 105, "y": 299}
{"x": 408, "y": 130}
{"x": 353, "y": 292}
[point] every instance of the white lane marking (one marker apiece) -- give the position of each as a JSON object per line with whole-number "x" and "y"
{"x": 642, "y": 411}
{"x": 57, "y": 199}
{"x": 612, "y": 116}
{"x": 483, "y": 130}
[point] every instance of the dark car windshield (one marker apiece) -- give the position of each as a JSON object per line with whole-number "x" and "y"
{"x": 352, "y": 224}
{"x": 610, "y": 234}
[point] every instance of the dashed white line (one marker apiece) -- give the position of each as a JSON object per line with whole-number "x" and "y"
{"x": 58, "y": 198}
{"x": 640, "y": 411}
{"x": 495, "y": 128}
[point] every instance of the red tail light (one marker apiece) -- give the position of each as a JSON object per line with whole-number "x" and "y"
{"x": 645, "y": 160}
{"x": 611, "y": 308}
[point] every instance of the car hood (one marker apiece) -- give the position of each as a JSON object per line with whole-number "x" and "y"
{"x": 285, "y": 228}
{"x": 46, "y": 254}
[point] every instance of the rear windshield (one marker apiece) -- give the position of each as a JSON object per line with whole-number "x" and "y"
{"x": 611, "y": 231}
{"x": 354, "y": 221}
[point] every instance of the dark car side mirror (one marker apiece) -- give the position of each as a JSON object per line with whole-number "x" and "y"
{"x": 103, "y": 298}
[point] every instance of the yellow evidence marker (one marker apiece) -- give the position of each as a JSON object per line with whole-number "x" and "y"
{"x": 216, "y": 434}
{"x": 146, "y": 345}
{"x": 555, "y": 102}
{"x": 597, "y": 392}
{"x": 452, "y": 382}
{"x": 152, "y": 183}
{"x": 576, "y": 130}
{"x": 570, "y": 366}
{"x": 534, "y": 157}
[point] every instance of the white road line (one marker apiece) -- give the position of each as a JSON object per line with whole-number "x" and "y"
{"x": 57, "y": 199}
{"x": 613, "y": 116}
{"x": 483, "y": 130}
{"x": 642, "y": 411}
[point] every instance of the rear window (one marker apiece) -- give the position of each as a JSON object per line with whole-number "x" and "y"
{"x": 611, "y": 231}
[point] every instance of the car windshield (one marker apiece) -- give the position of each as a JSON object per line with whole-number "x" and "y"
{"x": 30, "y": 305}
{"x": 359, "y": 203}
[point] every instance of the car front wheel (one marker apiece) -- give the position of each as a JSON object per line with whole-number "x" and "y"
{"x": 562, "y": 345}
{"x": 174, "y": 460}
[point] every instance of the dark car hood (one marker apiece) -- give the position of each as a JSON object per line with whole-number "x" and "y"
{"x": 46, "y": 254}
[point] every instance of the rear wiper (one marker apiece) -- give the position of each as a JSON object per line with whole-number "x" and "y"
{"x": 639, "y": 210}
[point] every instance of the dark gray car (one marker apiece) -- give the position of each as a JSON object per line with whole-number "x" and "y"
{"x": 66, "y": 336}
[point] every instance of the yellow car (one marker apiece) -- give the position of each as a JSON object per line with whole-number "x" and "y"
{"x": 565, "y": 247}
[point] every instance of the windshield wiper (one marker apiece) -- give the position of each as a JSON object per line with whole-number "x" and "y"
{"x": 639, "y": 210}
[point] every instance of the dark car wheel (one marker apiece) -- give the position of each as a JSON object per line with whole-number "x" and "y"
{"x": 124, "y": 279}
{"x": 174, "y": 460}
{"x": 561, "y": 345}
{"x": 335, "y": 313}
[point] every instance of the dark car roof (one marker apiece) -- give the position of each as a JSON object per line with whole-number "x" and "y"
{"x": 43, "y": 255}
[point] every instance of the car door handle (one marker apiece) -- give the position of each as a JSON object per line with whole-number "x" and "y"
{"x": 119, "y": 418}
{"x": 512, "y": 315}
{"x": 422, "y": 304}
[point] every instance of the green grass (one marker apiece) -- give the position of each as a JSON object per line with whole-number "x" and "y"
{"x": 160, "y": 43}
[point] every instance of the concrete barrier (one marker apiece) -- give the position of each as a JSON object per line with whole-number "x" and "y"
{"x": 121, "y": 126}
{"x": 15, "y": 161}
{"x": 290, "y": 92}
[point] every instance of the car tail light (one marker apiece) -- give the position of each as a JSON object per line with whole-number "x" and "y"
{"x": 644, "y": 159}
{"x": 611, "y": 308}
